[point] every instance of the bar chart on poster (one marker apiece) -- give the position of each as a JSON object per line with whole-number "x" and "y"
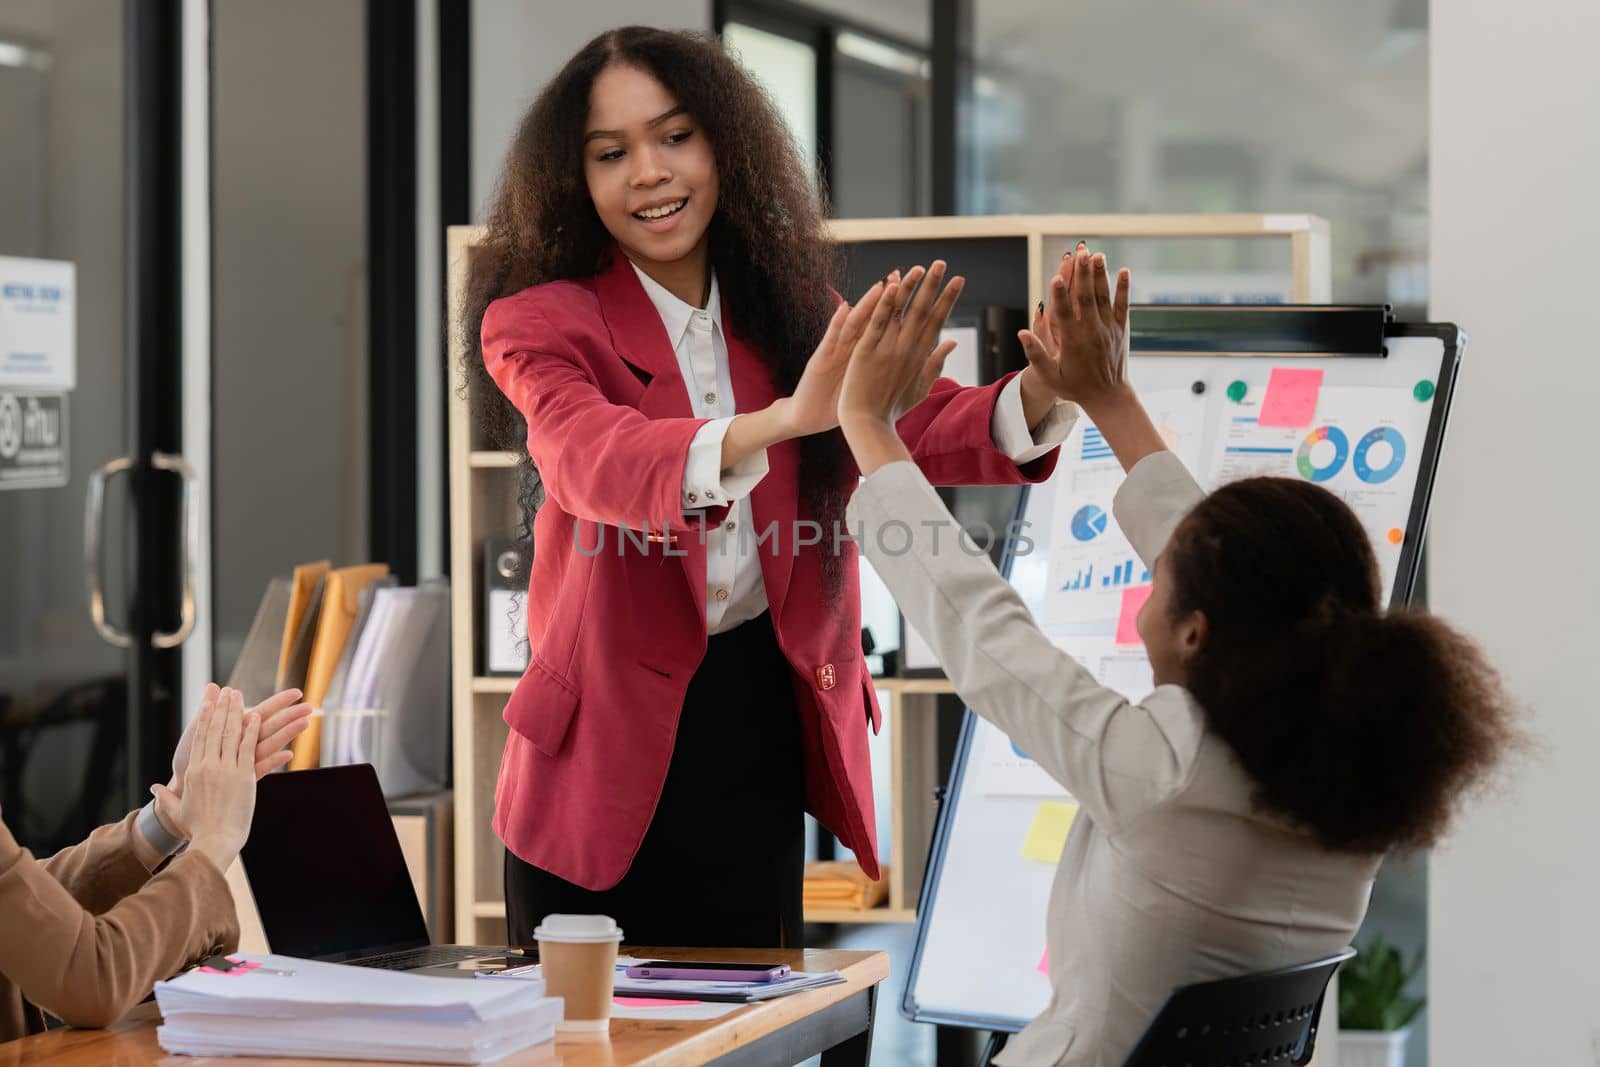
{"x": 1366, "y": 427}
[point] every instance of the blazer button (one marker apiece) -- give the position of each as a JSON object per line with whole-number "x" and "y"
{"x": 722, "y": 594}
{"x": 825, "y": 676}
{"x": 692, "y": 498}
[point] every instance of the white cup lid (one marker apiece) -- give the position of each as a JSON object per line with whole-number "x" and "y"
{"x": 578, "y": 928}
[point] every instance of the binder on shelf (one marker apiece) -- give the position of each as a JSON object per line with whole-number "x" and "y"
{"x": 505, "y": 586}
{"x": 256, "y": 669}
{"x": 305, "y": 601}
{"x": 341, "y": 603}
{"x": 341, "y": 600}
{"x": 393, "y": 704}
{"x": 341, "y": 672}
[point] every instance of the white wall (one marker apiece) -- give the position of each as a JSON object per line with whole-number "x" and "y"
{"x": 517, "y": 46}
{"x": 1515, "y": 896}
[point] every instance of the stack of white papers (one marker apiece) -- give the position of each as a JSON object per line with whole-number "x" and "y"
{"x": 292, "y": 1007}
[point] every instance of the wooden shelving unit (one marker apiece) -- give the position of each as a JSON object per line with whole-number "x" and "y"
{"x": 1003, "y": 257}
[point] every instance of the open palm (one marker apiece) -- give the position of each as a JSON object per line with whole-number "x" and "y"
{"x": 814, "y": 406}
{"x": 1079, "y": 342}
{"x": 282, "y": 720}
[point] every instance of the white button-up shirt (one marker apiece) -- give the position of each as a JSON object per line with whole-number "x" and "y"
{"x": 734, "y": 590}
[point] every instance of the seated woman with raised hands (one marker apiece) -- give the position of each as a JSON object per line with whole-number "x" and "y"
{"x": 86, "y": 934}
{"x": 1233, "y": 819}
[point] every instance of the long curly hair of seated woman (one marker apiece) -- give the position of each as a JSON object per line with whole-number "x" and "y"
{"x": 1364, "y": 725}
{"x": 773, "y": 260}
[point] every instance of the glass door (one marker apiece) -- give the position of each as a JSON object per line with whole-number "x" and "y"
{"x": 93, "y": 485}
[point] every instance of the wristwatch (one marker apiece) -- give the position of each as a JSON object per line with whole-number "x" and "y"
{"x": 156, "y": 834}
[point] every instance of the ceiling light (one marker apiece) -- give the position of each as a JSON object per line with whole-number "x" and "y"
{"x": 879, "y": 54}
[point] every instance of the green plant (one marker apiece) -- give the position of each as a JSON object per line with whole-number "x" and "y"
{"x": 1372, "y": 989}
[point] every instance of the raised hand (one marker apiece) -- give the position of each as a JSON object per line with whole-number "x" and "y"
{"x": 283, "y": 718}
{"x": 219, "y": 795}
{"x": 280, "y": 719}
{"x": 1078, "y": 345}
{"x": 899, "y": 355}
{"x": 814, "y": 407}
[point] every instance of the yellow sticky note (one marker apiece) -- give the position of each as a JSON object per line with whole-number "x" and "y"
{"x": 1048, "y": 834}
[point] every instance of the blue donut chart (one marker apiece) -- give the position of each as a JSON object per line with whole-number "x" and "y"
{"x": 1341, "y": 448}
{"x": 1088, "y": 523}
{"x": 1362, "y": 466}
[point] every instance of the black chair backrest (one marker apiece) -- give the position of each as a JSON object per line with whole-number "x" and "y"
{"x": 1249, "y": 1021}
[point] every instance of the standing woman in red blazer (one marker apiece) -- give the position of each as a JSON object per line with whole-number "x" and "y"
{"x": 653, "y": 298}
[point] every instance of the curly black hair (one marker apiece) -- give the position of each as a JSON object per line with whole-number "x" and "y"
{"x": 1367, "y": 726}
{"x": 766, "y": 240}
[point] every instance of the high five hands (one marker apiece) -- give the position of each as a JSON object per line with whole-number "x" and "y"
{"x": 1078, "y": 346}
{"x": 895, "y": 361}
{"x": 814, "y": 406}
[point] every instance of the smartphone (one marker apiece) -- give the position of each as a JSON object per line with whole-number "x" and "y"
{"x": 685, "y": 970}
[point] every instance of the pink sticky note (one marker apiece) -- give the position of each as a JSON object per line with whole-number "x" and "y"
{"x": 1044, "y": 962}
{"x": 1291, "y": 398}
{"x": 650, "y": 1002}
{"x": 1133, "y": 599}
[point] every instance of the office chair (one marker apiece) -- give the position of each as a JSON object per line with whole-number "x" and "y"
{"x": 1251, "y": 1021}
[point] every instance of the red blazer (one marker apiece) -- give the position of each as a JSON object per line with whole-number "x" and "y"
{"x": 616, "y": 637}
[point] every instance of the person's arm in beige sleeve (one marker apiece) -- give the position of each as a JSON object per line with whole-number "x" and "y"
{"x": 113, "y": 861}
{"x": 101, "y": 869}
{"x": 1117, "y": 757}
{"x": 118, "y": 858}
{"x": 89, "y": 969}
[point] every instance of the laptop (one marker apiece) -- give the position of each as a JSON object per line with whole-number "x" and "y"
{"x": 331, "y": 883}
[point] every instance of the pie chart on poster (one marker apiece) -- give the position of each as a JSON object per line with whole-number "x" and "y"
{"x": 1379, "y": 455}
{"x": 1318, "y": 462}
{"x": 1088, "y": 523}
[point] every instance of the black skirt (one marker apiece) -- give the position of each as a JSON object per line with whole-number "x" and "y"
{"x": 722, "y": 861}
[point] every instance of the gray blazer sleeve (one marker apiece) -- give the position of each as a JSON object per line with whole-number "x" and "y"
{"x": 1153, "y": 499}
{"x": 1116, "y": 757}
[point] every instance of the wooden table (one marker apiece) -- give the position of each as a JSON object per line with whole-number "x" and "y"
{"x": 835, "y": 1022}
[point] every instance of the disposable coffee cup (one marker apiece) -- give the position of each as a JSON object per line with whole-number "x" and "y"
{"x": 578, "y": 959}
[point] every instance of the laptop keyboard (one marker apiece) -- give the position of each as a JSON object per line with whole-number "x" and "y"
{"x": 411, "y": 959}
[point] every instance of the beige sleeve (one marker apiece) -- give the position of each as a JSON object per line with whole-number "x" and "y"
{"x": 90, "y": 968}
{"x": 1153, "y": 500}
{"x": 1117, "y": 757}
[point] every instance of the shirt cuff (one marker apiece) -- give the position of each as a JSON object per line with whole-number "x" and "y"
{"x": 151, "y": 842}
{"x": 1009, "y": 425}
{"x": 705, "y": 483}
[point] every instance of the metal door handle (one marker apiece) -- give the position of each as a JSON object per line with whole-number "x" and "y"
{"x": 163, "y": 461}
{"x": 93, "y": 523}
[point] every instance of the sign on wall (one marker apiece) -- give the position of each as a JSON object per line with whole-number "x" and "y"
{"x": 33, "y": 440}
{"x": 38, "y": 324}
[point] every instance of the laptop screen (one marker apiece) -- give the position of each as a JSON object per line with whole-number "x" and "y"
{"x": 325, "y": 867}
